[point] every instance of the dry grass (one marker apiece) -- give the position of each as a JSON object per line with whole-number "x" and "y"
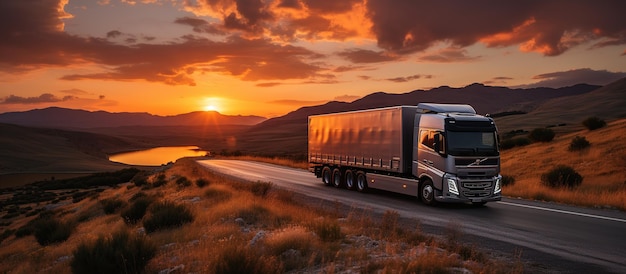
{"x": 239, "y": 230}
{"x": 602, "y": 166}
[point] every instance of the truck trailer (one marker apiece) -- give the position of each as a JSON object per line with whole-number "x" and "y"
{"x": 436, "y": 152}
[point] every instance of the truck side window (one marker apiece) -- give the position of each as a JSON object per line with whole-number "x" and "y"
{"x": 426, "y": 139}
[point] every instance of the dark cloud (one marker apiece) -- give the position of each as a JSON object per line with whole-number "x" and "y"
{"x": 268, "y": 84}
{"x": 200, "y": 26}
{"x": 366, "y": 56}
{"x": 114, "y": 34}
{"x": 500, "y": 80}
{"x": 250, "y": 16}
{"x": 349, "y": 68}
{"x": 409, "y": 78}
{"x": 33, "y": 36}
{"x": 43, "y": 98}
{"x": 34, "y": 40}
{"x": 448, "y": 55}
{"x": 330, "y": 6}
{"x": 549, "y": 27}
{"x": 577, "y": 76}
{"x": 294, "y": 4}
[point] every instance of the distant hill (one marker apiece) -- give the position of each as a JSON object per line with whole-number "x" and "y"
{"x": 55, "y": 117}
{"x": 291, "y": 129}
{"x": 608, "y": 102}
{"x": 24, "y": 149}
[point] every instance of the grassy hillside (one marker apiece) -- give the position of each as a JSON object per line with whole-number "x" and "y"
{"x": 228, "y": 227}
{"x": 24, "y": 150}
{"x": 608, "y": 102}
{"x": 602, "y": 165}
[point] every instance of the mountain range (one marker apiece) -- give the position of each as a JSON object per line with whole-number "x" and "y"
{"x": 55, "y": 117}
{"x": 37, "y": 139}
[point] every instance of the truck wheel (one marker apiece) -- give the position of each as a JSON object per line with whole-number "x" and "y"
{"x": 350, "y": 180}
{"x": 337, "y": 177}
{"x": 326, "y": 176}
{"x": 361, "y": 181}
{"x": 427, "y": 192}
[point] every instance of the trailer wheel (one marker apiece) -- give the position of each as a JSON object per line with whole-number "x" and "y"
{"x": 349, "y": 176}
{"x": 337, "y": 177}
{"x": 326, "y": 175}
{"x": 427, "y": 192}
{"x": 361, "y": 181}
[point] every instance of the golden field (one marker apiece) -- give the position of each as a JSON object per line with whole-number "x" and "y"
{"x": 602, "y": 165}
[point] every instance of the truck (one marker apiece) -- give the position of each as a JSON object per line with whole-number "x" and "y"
{"x": 435, "y": 152}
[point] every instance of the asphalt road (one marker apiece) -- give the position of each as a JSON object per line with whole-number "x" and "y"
{"x": 551, "y": 237}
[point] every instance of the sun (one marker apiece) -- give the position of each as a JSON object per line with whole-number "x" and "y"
{"x": 210, "y": 108}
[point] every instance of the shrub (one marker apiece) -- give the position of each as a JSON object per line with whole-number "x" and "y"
{"x": 183, "y": 182}
{"x": 137, "y": 210}
{"x": 79, "y": 196}
{"x": 202, "y": 183}
{"x": 562, "y": 176}
{"x": 29, "y": 228}
{"x": 513, "y": 142}
{"x": 253, "y": 214}
{"x": 120, "y": 253}
{"x": 160, "y": 181}
{"x": 6, "y": 234}
{"x": 541, "y": 135}
{"x": 49, "y": 230}
{"x": 260, "y": 188}
{"x": 578, "y": 143}
{"x": 507, "y": 180}
{"x": 140, "y": 179}
{"x": 389, "y": 224}
{"x": 137, "y": 196}
{"x": 328, "y": 231}
{"x": 593, "y": 123}
{"x": 217, "y": 195}
{"x": 166, "y": 215}
{"x": 240, "y": 259}
{"x": 111, "y": 205}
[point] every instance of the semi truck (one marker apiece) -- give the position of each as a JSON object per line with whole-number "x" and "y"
{"x": 435, "y": 152}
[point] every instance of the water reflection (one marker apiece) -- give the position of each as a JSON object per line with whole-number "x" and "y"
{"x": 156, "y": 156}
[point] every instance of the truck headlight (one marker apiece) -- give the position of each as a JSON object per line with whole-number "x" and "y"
{"x": 498, "y": 188}
{"x": 452, "y": 188}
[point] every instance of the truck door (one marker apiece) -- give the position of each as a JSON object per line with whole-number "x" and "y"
{"x": 430, "y": 162}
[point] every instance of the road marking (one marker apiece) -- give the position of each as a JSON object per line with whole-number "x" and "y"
{"x": 565, "y": 212}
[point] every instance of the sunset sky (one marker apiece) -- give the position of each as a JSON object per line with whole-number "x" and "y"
{"x": 269, "y": 57}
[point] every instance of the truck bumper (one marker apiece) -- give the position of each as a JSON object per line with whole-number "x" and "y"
{"x": 458, "y": 199}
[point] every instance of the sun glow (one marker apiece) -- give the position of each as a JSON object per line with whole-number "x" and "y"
{"x": 210, "y": 108}
{"x": 212, "y": 104}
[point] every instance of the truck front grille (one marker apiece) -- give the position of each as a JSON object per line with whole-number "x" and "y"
{"x": 470, "y": 194}
{"x": 476, "y": 189}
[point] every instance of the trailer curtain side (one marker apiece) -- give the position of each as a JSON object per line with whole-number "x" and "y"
{"x": 378, "y": 139}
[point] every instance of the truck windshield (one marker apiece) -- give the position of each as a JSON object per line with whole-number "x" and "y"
{"x": 472, "y": 143}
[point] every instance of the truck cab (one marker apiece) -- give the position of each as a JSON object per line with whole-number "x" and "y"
{"x": 455, "y": 155}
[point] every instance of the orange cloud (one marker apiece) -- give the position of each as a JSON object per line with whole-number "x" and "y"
{"x": 256, "y": 40}
{"x": 548, "y": 27}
